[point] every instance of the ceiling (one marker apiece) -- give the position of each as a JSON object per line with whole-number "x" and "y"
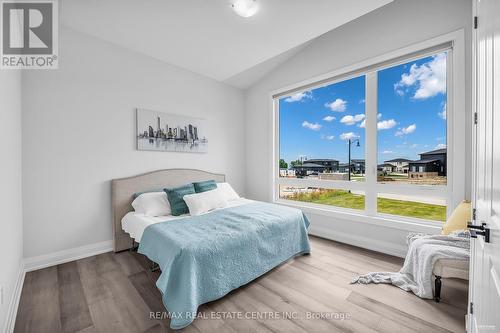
{"x": 207, "y": 37}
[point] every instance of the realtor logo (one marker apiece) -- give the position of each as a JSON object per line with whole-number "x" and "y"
{"x": 29, "y": 34}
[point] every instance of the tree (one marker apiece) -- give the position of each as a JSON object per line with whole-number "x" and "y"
{"x": 283, "y": 164}
{"x": 296, "y": 163}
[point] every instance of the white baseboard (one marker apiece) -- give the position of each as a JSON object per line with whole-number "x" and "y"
{"x": 14, "y": 301}
{"x": 356, "y": 240}
{"x": 61, "y": 257}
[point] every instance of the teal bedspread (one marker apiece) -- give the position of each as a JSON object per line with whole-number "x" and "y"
{"x": 204, "y": 257}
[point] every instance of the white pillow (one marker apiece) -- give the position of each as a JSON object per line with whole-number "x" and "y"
{"x": 227, "y": 191}
{"x": 152, "y": 204}
{"x": 204, "y": 202}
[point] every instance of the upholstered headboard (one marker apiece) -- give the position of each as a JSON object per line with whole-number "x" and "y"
{"x": 123, "y": 190}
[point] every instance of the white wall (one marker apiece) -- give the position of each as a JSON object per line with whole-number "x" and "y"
{"x": 389, "y": 28}
{"x": 79, "y": 128}
{"x": 11, "y": 224}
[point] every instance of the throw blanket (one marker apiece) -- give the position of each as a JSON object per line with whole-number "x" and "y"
{"x": 423, "y": 252}
{"x": 204, "y": 257}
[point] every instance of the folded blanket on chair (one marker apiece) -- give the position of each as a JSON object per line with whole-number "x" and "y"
{"x": 423, "y": 252}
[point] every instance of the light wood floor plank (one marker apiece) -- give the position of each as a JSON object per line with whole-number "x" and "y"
{"x": 110, "y": 317}
{"x": 92, "y": 277}
{"x": 321, "y": 301}
{"x": 127, "y": 263}
{"x": 396, "y": 315}
{"x": 75, "y": 315}
{"x": 245, "y": 302}
{"x": 150, "y": 294}
{"x": 208, "y": 324}
{"x": 226, "y": 305}
{"x": 133, "y": 308}
{"x": 39, "y": 305}
{"x": 283, "y": 303}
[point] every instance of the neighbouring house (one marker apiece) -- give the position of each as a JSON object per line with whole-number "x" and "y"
{"x": 287, "y": 172}
{"x": 430, "y": 164}
{"x": 439, "y": 154}
{"x": 357, "y": 166}
{"x": 386, "y": 167}
{"x": 343, "y": 167}
{"x": 330, "y": 165}
{"x": 400, "y": 165}
{"x": 316, "y": 166}
{"x": 308, "y": 168}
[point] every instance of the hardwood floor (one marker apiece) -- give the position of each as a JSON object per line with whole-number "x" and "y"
{"x": 115, "y": 292}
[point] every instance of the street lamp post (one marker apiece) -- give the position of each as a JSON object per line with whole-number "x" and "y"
{"x": 349, "y": 162}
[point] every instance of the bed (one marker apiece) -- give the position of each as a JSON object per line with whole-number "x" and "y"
{"x": 204, "y": 257}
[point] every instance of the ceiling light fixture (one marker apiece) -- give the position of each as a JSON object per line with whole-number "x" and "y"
{"x": 245, "y": 8}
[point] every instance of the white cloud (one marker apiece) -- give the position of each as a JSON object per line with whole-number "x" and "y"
{"x": 311, "y": 126}
{"x": 348, "y": 136}
{"x": 329, "y": 118}
{"x": 387, "y": 152}
{"x": 440, "y": 146}
{"x": 362, "y": 101}
{"x": 381, "y": 125}
{"x": 409, "y": 129}
{"x": 328, "y": 137}
{"x": 338, "y": 105}
{"x": 386, "y": 124}
{"x": 442, "y": 114}
{"x": 429, "y": 78}
{"x": 406, "y": 130}
{"x": 351, "y": 120}
{"x": 299, "y": 97}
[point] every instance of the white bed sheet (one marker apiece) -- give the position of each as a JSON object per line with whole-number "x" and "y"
{"x": 135, "y": 223}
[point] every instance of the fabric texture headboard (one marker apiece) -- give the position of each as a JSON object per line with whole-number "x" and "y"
{"x": 123, "y": 190}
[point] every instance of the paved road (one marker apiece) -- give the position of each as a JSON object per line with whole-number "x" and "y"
{"x": 427, "y": 200}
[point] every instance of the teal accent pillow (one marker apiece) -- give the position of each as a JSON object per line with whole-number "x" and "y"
{"x": 135, "y": 195}
{"x": 207, "y": 185}
{"x": 175, "y": 197}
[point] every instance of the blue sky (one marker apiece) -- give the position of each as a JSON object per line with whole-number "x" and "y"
{"x": 411, "y": 119}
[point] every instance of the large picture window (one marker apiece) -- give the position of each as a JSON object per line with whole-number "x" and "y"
{"x": 374, "y": 141}
{"x": 317, "y": 127}
{"x": 411, "y": 124}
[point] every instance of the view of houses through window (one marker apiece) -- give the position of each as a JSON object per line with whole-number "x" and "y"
{"x": 322, "y": 140}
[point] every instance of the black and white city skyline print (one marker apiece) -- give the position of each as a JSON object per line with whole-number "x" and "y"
{"x": 159, "y": 131}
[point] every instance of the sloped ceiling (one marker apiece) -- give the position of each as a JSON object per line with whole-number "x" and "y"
{"x": 207, "y": 37}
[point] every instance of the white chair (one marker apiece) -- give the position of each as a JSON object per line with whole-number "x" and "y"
{"x": 448, "y": 268}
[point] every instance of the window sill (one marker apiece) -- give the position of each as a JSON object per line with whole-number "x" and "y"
{"x": 388, "y": 221}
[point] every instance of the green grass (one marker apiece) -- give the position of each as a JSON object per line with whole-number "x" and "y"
{"x": 337, "y": 198}
{"x": 412, "y": 209}
{"x": 344, "y": 199}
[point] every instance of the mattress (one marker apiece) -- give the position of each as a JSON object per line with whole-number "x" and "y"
{"x": 135, "y": 223}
